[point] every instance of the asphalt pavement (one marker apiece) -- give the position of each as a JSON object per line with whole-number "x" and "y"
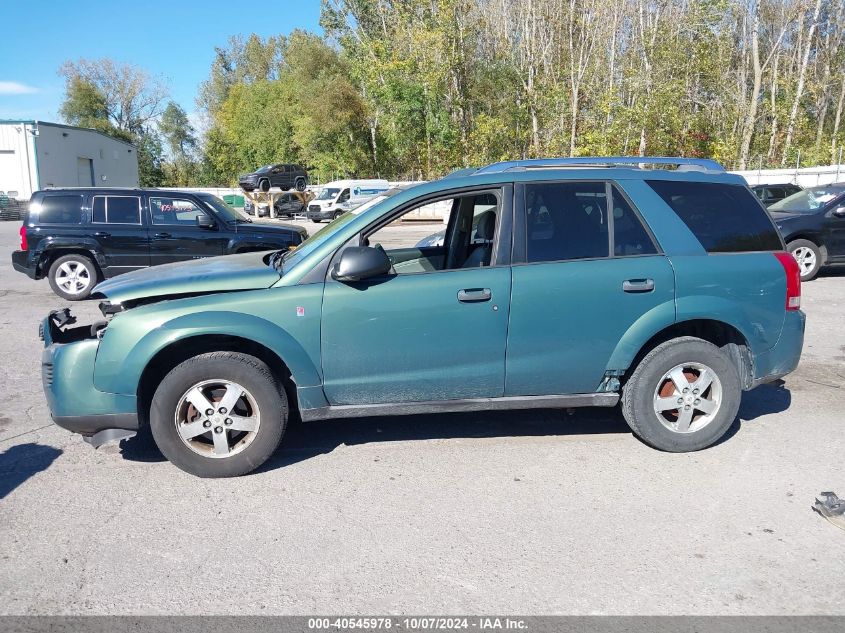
{"x": 536, "y": 512}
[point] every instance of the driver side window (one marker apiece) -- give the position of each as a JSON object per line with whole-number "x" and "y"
{"x": 444, "y": 234}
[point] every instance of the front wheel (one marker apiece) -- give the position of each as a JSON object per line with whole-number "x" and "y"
{"x": 264, "y": 185}
{"x": 220, "y": 414}
{"x": 73, "y": 277}
{"x": 683, "y": 396}
{"x": 808, "y": 256}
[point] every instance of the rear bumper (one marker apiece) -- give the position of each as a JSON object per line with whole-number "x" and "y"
{"x": 783, "y": 358}
{"x": 20, "y": 262}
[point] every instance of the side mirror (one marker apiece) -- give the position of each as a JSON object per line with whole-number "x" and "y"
{"x": 361, "y": 262}
{"x": 839, "y": 212}
{"x": 205, "y": 222}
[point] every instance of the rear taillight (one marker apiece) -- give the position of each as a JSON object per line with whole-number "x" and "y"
{"x": 24, "y": 246}
{"x": 793, "y": 280}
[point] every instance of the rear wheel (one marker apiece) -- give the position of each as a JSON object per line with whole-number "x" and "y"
{"x": 220, "y": 414}
{"x": 683, "y": 396}
{"x": 300, "y": 184}
{"x": 72, "y": 277}
{"x": 808, "y": 256}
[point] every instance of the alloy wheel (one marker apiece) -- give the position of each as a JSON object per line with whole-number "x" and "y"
{"x": 73, "y": 277}
{"x": 806, "y": 259}
{"x": 688, "y": 397}
{"x": 217, "y": 418}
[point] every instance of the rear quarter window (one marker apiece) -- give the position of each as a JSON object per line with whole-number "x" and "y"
{"x": 724, "y": 218}
{"x": 65, "y": 209}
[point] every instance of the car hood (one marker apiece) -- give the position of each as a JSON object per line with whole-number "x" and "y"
{"x": 202, "y": 276}
{"x": 780, "y": 216}
{"x": 269, "y": 226}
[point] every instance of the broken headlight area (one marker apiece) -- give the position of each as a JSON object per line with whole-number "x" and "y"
{"x": 56, "y": 328}
{"x": 109, "y": 309}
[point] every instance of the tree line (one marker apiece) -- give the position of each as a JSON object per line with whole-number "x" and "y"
{"x": 416, "y": 88}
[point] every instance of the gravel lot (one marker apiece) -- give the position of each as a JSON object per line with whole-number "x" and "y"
{"x": 530, "y": 513}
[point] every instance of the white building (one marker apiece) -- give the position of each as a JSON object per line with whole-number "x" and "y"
{"x": 35, "y": 155}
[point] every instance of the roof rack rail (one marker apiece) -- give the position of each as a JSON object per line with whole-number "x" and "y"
{"x": 638, "y": 162}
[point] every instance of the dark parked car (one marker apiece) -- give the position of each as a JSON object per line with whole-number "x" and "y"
{"x": 284, "y": 176}
{"x": 289, "y": 204}
{"x": 769, "y": 194}
{"x": 77, "y": 237}
{"x": 812, "y": 223}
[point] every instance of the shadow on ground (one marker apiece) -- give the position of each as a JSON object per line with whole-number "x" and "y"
{"x": 303, "y": 441}
{"x": 19, "y": 463}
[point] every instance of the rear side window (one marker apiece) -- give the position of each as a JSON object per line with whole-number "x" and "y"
{"x": 60, "y": 210}
{"x": 565, "y": 221}
{"x": 629, "y": 235}
{"x": 116, "y": 210}
{"x": 724, "y": 218}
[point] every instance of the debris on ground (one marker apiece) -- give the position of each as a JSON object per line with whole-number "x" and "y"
{"x": 831, "y": 508}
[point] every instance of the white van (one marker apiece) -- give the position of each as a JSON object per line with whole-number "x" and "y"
{"x": 335, "y": 198}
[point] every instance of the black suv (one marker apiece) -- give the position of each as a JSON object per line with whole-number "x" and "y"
{"x": 77, "y": 237}
{"x": 284, "y": 176}
{"x": 769, "y": 194}
{"x": 812, "y": 223}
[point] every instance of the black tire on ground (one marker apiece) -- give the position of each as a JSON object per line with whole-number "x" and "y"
{"x": 73, "y": 277}
{"x": 808, "y": 256}
{"x": 300, "y": 184}
{"x": 264, "y": 185}
{"x": 316, "y": 221}
{"x": 252, "y": 375}
{"x": 337, "y": 214}
{"x": 641, "y": 389}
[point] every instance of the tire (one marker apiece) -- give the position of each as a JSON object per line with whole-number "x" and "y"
{"x": 264, "y": 185}
{"x": 316, "y": 221}
{"x": 285, "y": 188}
{"x": 261, "y": 414}
{"x": 808, "y": 256}
{"x": 650, "y": 389}
{"x": 337, "y": 215}
{"x": 73, "y": 277}
{"x": 300, "y": 184}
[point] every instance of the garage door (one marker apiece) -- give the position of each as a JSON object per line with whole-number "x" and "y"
{"x": 84, "y": 172}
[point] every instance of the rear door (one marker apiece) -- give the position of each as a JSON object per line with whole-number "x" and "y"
{"x": 175, "y": 235}
{"x": 121, "y": 231}
{"x": 585, "y": 271}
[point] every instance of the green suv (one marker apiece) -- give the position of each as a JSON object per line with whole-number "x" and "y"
{"x": 558, "y": 283}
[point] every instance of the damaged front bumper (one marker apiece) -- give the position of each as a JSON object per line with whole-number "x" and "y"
{"x": 67, "y": 374}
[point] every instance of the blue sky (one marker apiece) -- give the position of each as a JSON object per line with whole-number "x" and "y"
{"x": 172, "y": 40}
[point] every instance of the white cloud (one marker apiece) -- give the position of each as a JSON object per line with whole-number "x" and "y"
{"x": 15, "y": 88}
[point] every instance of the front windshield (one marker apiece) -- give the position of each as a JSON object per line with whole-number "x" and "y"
{"x": 315, "y": 240}
{"x": 224, "y": 211}
{"x": 807, "y": 201}
{"x": 328, "y": 193}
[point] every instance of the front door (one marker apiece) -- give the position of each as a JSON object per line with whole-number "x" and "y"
{"x": 121, "y": 232}
{"x": 586, "y": 277}
{"x": 175, "y": 235}
{"x": 434, "y": 332}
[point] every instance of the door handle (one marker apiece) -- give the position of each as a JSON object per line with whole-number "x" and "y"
{"x": 474, "y": 295}
{"x": 161, "y": 236}
{"x": 638, "y": 285}
{"x": 102, "y": 234}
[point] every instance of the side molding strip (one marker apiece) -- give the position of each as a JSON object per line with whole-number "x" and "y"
{"x": 470, "y": 404}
